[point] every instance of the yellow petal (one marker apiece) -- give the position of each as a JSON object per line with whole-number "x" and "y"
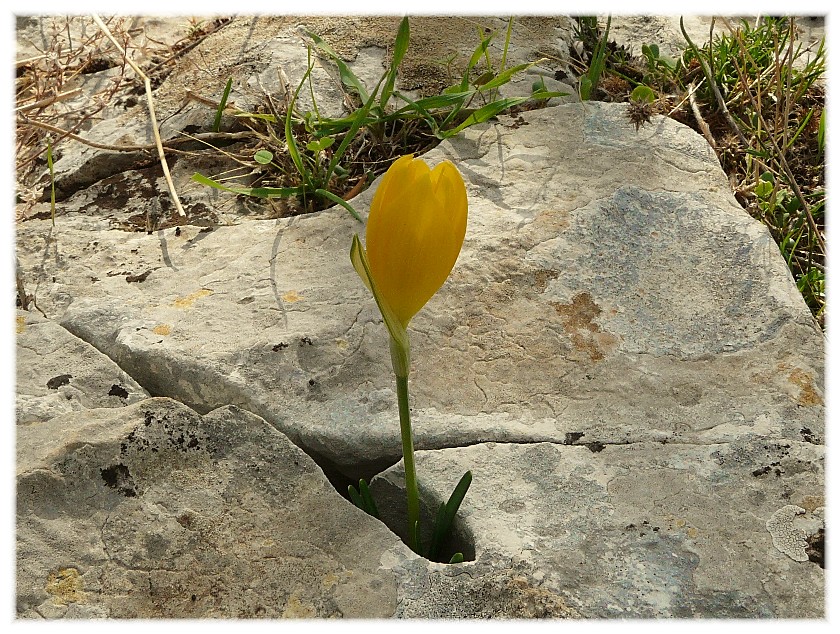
{"x": 415, "y": 231}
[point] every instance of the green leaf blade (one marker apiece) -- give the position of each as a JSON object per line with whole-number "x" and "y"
{"x": 217, "y": 122}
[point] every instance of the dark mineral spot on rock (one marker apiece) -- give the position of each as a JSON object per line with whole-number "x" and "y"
{"x": 572, "y": 437}
{"x": 138, "y": 278}
{"x": 305, "y": 341}
{"x": 761, "y": 472}
{"x": 311, "y": 382}
{"x": 808, "y": 436}
{"x": 280, "y": 346}
{"x": 118, "y": 390}
{"x": 595, "y": 447}
{"x": 57, "y": 381}
{"x": 118, "y": 477}
{"x": 816, "y": 548}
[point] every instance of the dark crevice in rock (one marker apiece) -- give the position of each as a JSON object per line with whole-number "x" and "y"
{"x": 816, "y": 548}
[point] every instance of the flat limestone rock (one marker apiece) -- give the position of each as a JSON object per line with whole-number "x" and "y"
{"x": 643, "y": 530}
{"x": 58, "y": 373}
{"x": 610, "y": 290}
{"x": 155, "y": 511}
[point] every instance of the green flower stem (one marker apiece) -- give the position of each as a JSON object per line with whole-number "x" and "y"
{"x": 408, "y": 460}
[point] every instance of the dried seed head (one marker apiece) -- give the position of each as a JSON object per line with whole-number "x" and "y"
{"x": 639, "y": 112}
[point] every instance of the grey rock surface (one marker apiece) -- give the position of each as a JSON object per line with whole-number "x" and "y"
{"x": 154, "y": 511}
{"x": 620, "y": 356}
{"x": 58, "y": 373}
{"x": 643, "y": 530}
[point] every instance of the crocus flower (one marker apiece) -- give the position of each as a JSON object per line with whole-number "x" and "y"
{"x": 415, "y": 230}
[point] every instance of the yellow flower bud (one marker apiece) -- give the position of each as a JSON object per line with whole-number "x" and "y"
{"x": 415, "y": 230}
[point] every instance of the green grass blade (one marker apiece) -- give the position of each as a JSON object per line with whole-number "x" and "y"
{"x": 504, "y": 77}
{"x": 476, "y": 56}
{"x": 257, "y": 192}
{"x": 261, "y": 116}
{"x": 368, "y": 499}
{"x": 339, "y": 201}
{"x": 217, "y": 122}
{"x": 400, "y": 48}
{"x": 799, "y": 130}
{"x": 486, "y": 112}
{"x": 585, "y": 88}
{"x": 507, "y": 44}
{"x": 361, "y": 118}
{"x": 457, "y": 558}
{"x": 599, "y": 60}
{"x": 290, "y": 138}
{"x": 821, "y": 133}
{"x": 348, "y": 77}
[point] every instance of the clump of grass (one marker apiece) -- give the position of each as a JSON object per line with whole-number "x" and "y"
{"x": 756, "y": 94}
{"x": 313, "y": 161}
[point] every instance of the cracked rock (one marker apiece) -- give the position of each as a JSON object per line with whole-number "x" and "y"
{"x": 58, "y": 373}
{"x": 609, "y": 285}
{"x": 154, "y": 511}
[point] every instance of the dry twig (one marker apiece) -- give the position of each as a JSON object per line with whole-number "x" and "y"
{"x": 148, "y": 85}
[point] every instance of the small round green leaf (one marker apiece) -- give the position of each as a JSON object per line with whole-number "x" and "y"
{"x": 263, "y": 157}
{"x": 643, "y": 94}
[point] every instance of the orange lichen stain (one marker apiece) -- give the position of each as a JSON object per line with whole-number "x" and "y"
{"x": 341, "y": 343}
{"x": 66, "y": 586}
{"x": 296, "y": 610}
{"x": 20, "y": 324}
{"x": 578, "y": 322}
{"x": 691, "y": 532}
{"x": 332, "y": 578}
{"x": 189, "y": 300}
{"x": 812, "y": 502}
{"x": 804, "y": 381}
{"x": 291, "y": 297}
{"x": 552, "y": 221}
{"x": 542, "y": 277}
{"x": 162, "y": 329}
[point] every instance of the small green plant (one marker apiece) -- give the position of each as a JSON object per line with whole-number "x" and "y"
{"x": 313, "y": 156}
{"x": 589, "y": 81}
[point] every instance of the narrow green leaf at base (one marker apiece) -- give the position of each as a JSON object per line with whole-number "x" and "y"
{"x": 457, "y": 558}
{"x": 339, "y": 201}
{"x": 446, "y": 515}
{"x": 258, "y": 192}
{"x": 370, "y": 505}
{"x": 355, "y": 498}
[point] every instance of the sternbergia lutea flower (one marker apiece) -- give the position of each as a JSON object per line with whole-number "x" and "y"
{"x": 415, "y": 230}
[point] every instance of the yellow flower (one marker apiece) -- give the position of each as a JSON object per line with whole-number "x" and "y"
{"x": 415, "y": 230}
